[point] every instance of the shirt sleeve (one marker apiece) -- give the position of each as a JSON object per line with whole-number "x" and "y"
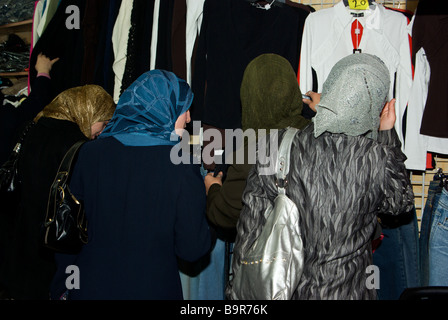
{"x": 399, "y": 197}
{"x": 224, "y": 203}
{"x": 305, "y": 74}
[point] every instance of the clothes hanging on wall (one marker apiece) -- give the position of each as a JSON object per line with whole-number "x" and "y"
{"x": 120, "y": 40}
{"x": 433, "y": 242}
{"x": 104, "y": 75}
{"x": 43, "y": 13}
{"x": 333, "y": 33}
{"x": 139, "y": 42}
{"x": 427, "y": 29}
{"x": 430, "y": 32}
{"x": 164, "y": 38}
{"x": 194, "y": 23}
{"x": 178, "y": 41}
{"x": 67, "y": 44}
{"x": 233, "y": 33}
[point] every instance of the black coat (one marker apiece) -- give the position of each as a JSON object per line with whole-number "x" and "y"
{"x": 143, "y": 213}
{"x": 31, "y": 266}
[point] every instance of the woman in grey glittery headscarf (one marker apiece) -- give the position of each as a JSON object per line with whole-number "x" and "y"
{"x": 353, "y": 96}
{"x": 347, "y": 167}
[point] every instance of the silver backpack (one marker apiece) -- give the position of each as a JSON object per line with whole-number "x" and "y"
{"x": 272, "y": 267}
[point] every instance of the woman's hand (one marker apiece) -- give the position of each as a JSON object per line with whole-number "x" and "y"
{"x": 209, "y": 180}
{"x": 388, "y": 117}
{"x": 44, "y": 64}
{"x": 315, "y": 99}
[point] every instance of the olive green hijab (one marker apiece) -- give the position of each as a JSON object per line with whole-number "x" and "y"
{"x": 270, "y": 95}
{"x": 84, "y": 105}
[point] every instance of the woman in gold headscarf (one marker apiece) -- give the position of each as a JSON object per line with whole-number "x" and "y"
{"x": 79, "y": 113}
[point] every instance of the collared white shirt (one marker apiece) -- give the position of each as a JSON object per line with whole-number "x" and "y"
{"x": 327, "y": 38}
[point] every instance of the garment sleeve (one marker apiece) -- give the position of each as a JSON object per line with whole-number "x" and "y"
{"x": 305, "y": 74}
{"x": 199, "y": 69}
{"x": 39, "y": 97}
{"x": 192, "y": 234}
{"x": 224, "y": 203}
{"x": 399, "y": 197}
{"x": 403, "y": 79}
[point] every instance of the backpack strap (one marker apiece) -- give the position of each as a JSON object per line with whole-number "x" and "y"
{"x": 284, "y": 154}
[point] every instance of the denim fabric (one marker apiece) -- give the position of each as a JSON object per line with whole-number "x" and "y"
{"x": 432, "y": 200}
{"x": 438, "y": 243}
{"x": 397, "y": 258}
{"x": 205, "y": 279}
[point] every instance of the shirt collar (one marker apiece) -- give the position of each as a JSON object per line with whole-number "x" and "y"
{"x": 373, "y": 21}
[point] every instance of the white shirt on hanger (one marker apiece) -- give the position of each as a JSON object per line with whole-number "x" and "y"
{"x": 120, "y": 37}
{"x": 417, "y": 145}
{"x": 327, "y": 38}
{"x": 195, "y": 9}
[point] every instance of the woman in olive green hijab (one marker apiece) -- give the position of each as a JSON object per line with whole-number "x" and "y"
{"x": 79, "y": 113}
{"x": 270, "y": 99}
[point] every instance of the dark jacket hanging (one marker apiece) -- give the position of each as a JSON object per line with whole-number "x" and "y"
{"x": 139, "y": 42}
{"x": 231, "y": 36}
{"x": 430, "y": 31}
{"x": 105, "y": 55}
{"x": 67, "y": 44}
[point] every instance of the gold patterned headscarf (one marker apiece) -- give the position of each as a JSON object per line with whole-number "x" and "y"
{"x": 83, "y": 105}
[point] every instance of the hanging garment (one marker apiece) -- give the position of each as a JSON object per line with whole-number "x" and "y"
{"x": 178, "y": 40}
{"x": 438, "y": 243}
{"x": 432, "y": 200}
{"x": 104, "y": 56}
{"x": 119, "y": 41}
{"x": 430, "y": 31}
{"x": 139, "y": 42}
{"x": 43, "y": 13}
{"x": 333, "y": 33}
{"x": 193, "y": 26}
{"x": 163, "y": 51}
{"x": 91, "y": 28}
{"x": 67, "y": 44}
{"x": 232, "y": 35}
{"x": 417, "y": 145}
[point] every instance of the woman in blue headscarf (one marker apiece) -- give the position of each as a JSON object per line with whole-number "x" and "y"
{"x": 143, "y": 211}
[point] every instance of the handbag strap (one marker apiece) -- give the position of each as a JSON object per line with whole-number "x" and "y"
{"x": 19, "y": 143}
{"x": 67, "y": 161}
{"x": 283, "y": 159}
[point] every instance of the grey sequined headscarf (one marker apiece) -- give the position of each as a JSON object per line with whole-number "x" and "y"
{"x": 353, "y": 96}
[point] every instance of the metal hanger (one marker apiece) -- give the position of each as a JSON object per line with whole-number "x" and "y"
{"x": 266, "y": 6}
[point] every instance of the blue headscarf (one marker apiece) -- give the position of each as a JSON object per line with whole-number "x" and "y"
{"x": 148, "y": 109}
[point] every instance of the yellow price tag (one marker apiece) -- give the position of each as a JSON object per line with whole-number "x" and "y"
{"x": 358, "y": 4}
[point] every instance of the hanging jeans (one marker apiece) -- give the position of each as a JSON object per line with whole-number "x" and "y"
{"x": 397, "y": 259}
{"x": 438, "y": 243}
{"x": 432, "y": 200}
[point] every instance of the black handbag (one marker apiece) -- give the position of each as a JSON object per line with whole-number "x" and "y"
{"x": 65, "y": 226}
{"x": 9, "y": 181}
